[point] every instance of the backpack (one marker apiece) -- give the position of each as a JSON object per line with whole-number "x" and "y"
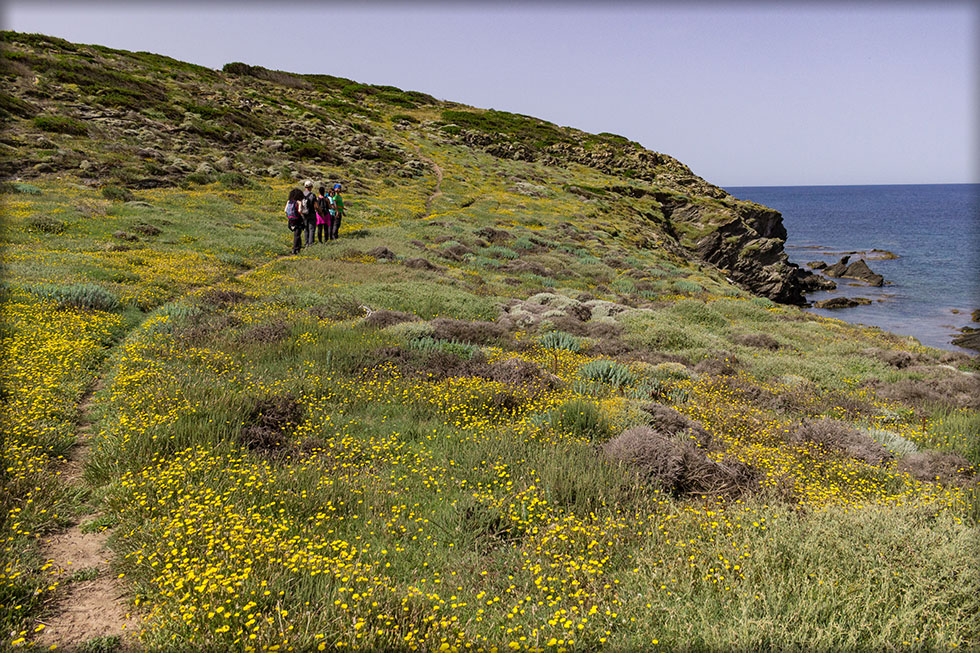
{"x": 323, "y": 206}
{"x": 293, "y": 218}
{"x": 308, "y": 206}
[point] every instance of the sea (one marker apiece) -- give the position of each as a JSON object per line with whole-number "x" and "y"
{"x": 931, "y": 286}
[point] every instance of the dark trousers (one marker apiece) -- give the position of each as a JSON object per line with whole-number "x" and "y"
{"x": 310, "y": 232}
{"x": 322, "y": 232}
{"x": 334, "y": 226}
{"x": 297, "y": 239}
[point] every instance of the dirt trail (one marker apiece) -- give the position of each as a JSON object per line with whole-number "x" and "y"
{"x": 92, "y": 603}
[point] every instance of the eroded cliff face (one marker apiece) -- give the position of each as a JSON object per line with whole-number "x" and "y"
{"x": 749, "y": 247}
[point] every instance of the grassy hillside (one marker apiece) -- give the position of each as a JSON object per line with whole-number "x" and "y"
{"x": 511, "y": 408}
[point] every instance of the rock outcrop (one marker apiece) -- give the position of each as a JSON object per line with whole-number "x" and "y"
{"x": 857, "y": 270}
{"x": 842, "y": 302}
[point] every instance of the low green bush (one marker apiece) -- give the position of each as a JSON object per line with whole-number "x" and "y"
{"x": 44, "y": 224}
{"x": 580, "y": 418}
{"x": 80, "y": 295}
{"x": 561, "y": 340}
{"x": 61, "y": 125}
{"x": 608, "y": 372}
{"x": 117, "y": 194}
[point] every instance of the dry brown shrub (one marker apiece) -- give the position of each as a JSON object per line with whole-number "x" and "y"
{"x": 475, "y": 332}
{"x": 455, "y": 252}
{"x": 222, "y": 298}
{"x": 945, "y": 467}
{"x": 421, "y": 264}
{"x": 718, "y": 364}
{"x": 147, "y": 229}
{"x": 382, "y": 253}
{"x": 895, "y": 358}
{"x": 337, "y": 308}
{"x": 838, "y": 436}
{"x": 124, "y": 235}
{"x": 519, "y": 372}
{"x": 678, "y": 466}
{"x": 386, "y": 318}
{"x": 951, "y": 388}
{"x": 266, "y": 333}
{"x": 760, "y": 340}
{"x": 265, "y": 427}
{"x": 493, "y": 235}
{"x": 442, "y": 365}
{"x": 665, "y": 419}
{"x": 202, "y": 327}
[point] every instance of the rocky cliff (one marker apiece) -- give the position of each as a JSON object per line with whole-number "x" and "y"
{"x": 140, "y": 120}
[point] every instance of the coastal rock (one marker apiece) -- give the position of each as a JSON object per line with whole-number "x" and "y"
{"x": 881, "y": 255}
{"x": 841, "y": 302}
{"x": 815, "y": 282}
{"x": 817, "y": 265}
{"x": 838, "y": 268}
{"x": 859, "y": 270}
{"x": 969, "y": 339}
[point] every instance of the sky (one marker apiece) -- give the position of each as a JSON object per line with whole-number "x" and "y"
{"x": 745, "y": 93}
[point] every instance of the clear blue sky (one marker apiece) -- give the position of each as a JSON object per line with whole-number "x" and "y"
{"x": 744, "y": 93}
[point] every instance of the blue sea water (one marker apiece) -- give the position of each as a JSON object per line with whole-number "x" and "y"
{"x": 934, "y": 229}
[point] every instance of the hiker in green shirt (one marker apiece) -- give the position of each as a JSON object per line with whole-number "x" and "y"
{"x": 339, "y": 204}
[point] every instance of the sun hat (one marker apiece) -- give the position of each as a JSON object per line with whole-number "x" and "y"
{"x": 308, "y": 184}
{"x": 336, "y": 186}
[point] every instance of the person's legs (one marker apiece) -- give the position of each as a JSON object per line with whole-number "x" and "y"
{"x": 336, "y": 226}
{"x": 297, "y": 240}
{"x": 310, "y": 229}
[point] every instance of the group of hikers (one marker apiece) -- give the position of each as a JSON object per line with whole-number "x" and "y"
{"x": 317, "y": 216}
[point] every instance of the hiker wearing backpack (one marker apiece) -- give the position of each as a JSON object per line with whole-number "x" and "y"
{"x": 294, "y": 220}
{"x": 322, "y": 216}
{"x": 308, "y": 209}
{"x": 339, "y": 210}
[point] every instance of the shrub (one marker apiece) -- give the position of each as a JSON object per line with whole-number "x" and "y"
{"x": 265, "y": 427}
{"x": 580, "y": 418}
{"x": 838, "y": 436}
{"x": 117, "y": 194}
{"x": 692, "y": 310}
{"x": 200, "y": 178}
{"x": 384, "y": 318}
{"x": 607, "y": 372}
{"x": 61, "y": 125}
{"x": 683, "y": 286}
{"x": 337, "y": 308}
{"x": 760, "y": 340}
{"x": 19, "y": 187}
{"x": 499, "y": 251}
{"x": 678, "y": 467}
{"x": 476, "y": 332}
{"x": 235, "y": 180}
{"x": 82, "y": 295}
{"x": 944, "y": 467}
{"x": 561, "y": 340}
{"x": 44, "y": 224}
{"x": 222, "y": 298}
{"x": 429, "y": 345}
